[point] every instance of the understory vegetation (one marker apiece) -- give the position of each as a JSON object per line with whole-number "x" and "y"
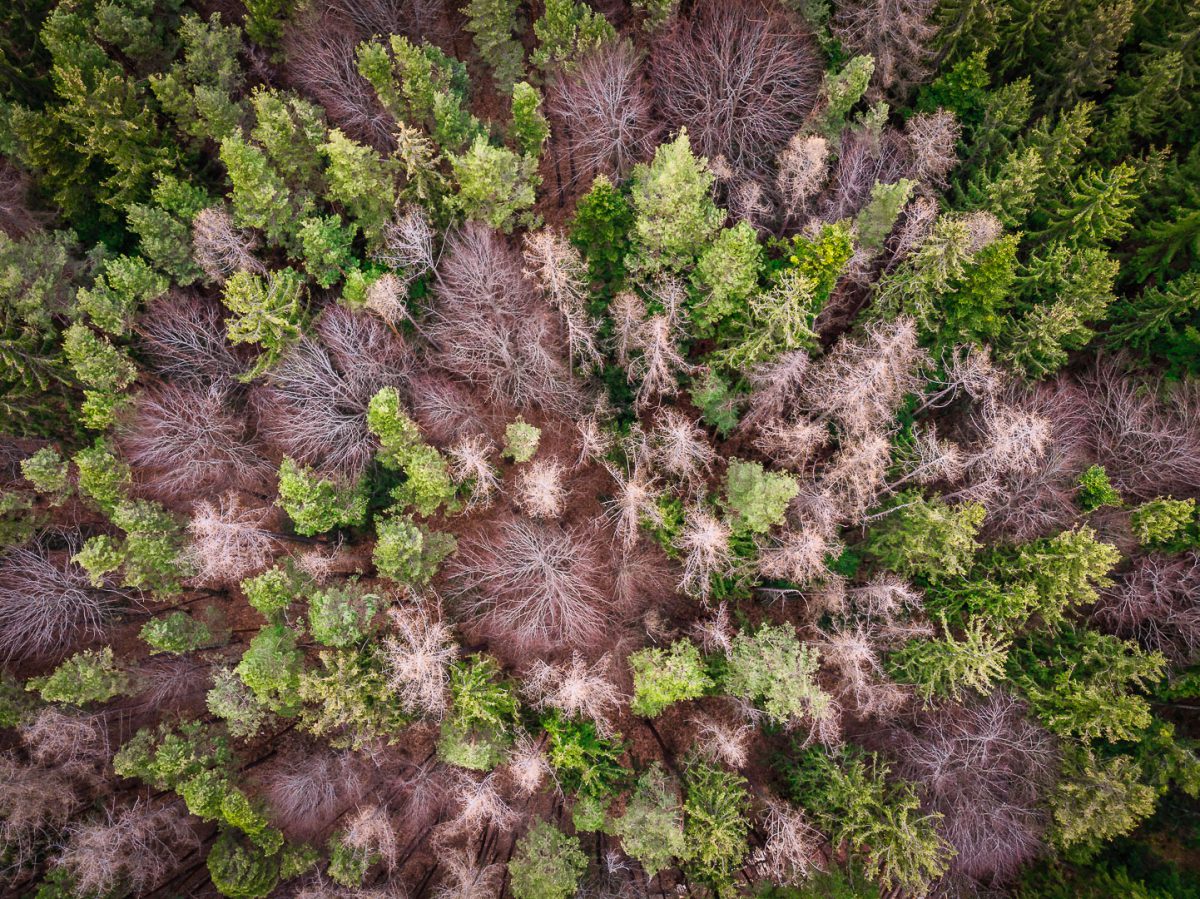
{"x": 713, "y": 448}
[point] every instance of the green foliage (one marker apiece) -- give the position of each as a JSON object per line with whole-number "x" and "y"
{"x": 1163, "y": 323}
{"x": 601, "y": 231}
{"x": 716, "y": 823}
{"x": 271, "y": 668}
{"x": 1096, "y": 491}
{"x": 841, "y": 92}
{"x": 521, "y": 440}
{"x": 123, "y": 284}
{"x": 1082, "y": 684}
{"x": 1165, "y": 523}
{"x": 946, "y": 667}
{"x": 651, "y": 829}
{"x": 260, "y": 196}
{"x": 726, "y": 275}
{"x": 292, "y": 132}
{"x": 773, "y": 669}
{"x": 1061, "y": 571}
{"x": 495, "y": 185}
{"x": 583, "y": 761}
{"x": 167, "y": 758}
{"x": 566, "y": 31}
{"x": 267, "y": 311}
{"x": 851, "y": 796}
{"x": 675, "y": 218}
{"x": 664, "y": 676}
{"x": 656, "y": 13}
{"x": 876, "y": 220}
{"x": 86, "y": 677}
{"x": 316, "y": 505}
{"x": 756, "y": 498}
{"x": 99, "y": 556}
{"x": 478, "y": 731}
{"x": 103, "y": 370}
{"x": 493, "y": 23}
{"x": 197, "y": 90}
{"x": 409, "y": 553}
{"x": 235, "y": 704}
{"x": 326, "y": 245}
{"x": 102, "y": 477}
{"x": 347, "y": 700}
{"x": 348, "y": 864}
{"x": 341, "y": 615}
{"x": 926, "y": 538}
{"x": 177, "y": 632}
{"x": 546, "y": 864}
{"x": 1097, "y": 799}
{"x": 529, "y": 129}
{"x": 717, "y": 402}
{"x": 49, "y": 473}
{"x": 153, "y": 552}
{"x": 428, "y": 485}
{"x": 361, "y": 182}
{"x": 241, "y": 870}
{"x": 422, "y": 86}
{"x": 274, "y": 590}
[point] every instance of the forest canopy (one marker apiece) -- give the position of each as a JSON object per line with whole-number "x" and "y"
{"x": 714, "y": 448}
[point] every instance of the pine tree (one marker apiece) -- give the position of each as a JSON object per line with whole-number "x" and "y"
{"x": 494, "y": 25}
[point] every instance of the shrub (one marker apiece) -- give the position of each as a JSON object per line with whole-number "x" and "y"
{"x": 664, "y": 676}
{"x": 547, "y": 864}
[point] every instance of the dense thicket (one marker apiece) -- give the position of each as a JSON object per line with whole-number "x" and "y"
{"x": 551, "y": 449}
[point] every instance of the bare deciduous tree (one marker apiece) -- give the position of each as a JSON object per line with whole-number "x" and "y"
{"x": 986, "y": 768}
{"x": 897, "y": 33}
{"x": 680, "y": 447}
{"x": 600, "y": 115}
{"x": 536, "y": 585}
{"x": 134, "y": 849}
{"x": 802, "y": 170}
{"x": 861, "y": 384}
{"x": 47, "y": 608}
{"x": 184, "y": 338}
{"x": 184, "y": 442}
{"x": 220, "y": 247}
{"x": 560, "y": 271}
{"x": 540, "y": 491}
{"x": 313, "y": 406}
{"x": 792, "y": 847}
{"x": 418, "y": 655}
{"x": 229, "y": 542}
{"x": 489, "y": 328}
{"x": 471, "y": 465}
{"x": 575, "y": 688}
{"x": 705, "y": 542}
{"x": 742, "y": 77}
{"x": 1155, "y": 604}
